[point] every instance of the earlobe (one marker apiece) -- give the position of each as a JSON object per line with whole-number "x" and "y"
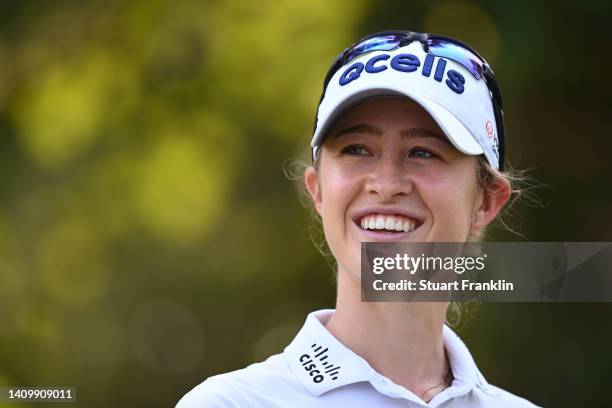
{"x": 312, "y": 185}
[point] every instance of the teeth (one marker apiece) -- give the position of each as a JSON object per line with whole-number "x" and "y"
{"x": 399, "y": 225}
{"x": 407, "y": 226}
{"x": 388, "y": 222}
{"x": 372, "y": 223}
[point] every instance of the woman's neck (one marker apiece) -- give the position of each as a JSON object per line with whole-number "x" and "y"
{"x": 401, "y": 340}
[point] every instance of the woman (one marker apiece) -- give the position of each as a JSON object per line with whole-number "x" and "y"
{"x": 408, "y": 146}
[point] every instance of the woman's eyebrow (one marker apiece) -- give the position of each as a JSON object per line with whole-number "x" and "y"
{"x": 422, "y": 132}
{"x": 405, "y": 133}
{"x": 360, "y": 128}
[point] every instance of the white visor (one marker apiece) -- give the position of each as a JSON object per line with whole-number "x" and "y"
{"x": 459, "y": 103}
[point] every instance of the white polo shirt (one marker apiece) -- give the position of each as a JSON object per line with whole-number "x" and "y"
{"x": 316, "y": 370}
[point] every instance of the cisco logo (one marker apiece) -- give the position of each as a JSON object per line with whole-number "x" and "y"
{"x": 317, "y": 366}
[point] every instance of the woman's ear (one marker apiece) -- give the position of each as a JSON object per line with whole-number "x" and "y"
{"x": 490, "y": 203}
{"x": 312, "y": 184}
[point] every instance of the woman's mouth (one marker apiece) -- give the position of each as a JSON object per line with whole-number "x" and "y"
{"x": 388, "y": 223}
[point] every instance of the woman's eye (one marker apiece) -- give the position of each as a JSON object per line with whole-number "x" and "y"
{"x": 356, "y": 150}
{"x": 422, "y": 153}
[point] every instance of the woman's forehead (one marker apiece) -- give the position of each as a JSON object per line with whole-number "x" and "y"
{"x": 380, "y": 115}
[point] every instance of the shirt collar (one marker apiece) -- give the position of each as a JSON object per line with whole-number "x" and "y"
{"x": 322, "y": 363}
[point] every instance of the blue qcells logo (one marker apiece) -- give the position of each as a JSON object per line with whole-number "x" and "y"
{"x": 405, "y": 63}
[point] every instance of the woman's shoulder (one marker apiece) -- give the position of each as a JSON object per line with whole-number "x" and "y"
{"x": 244, "y": 387}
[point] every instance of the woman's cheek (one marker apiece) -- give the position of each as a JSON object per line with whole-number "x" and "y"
{"x": 341, "y": 185}
{"x": 447, "y": 204}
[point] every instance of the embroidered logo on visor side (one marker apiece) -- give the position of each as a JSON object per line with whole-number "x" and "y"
{"x": 489, "y": 128}
{"x": 317, "y": 365}
{"x": 405, "y": 63}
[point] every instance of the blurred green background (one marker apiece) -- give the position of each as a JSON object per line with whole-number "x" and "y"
{"x": 148, "y": 235}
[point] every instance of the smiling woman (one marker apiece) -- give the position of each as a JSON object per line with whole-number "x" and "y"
{"x": 398, "y": 156}
{"x": 390, "y": 158}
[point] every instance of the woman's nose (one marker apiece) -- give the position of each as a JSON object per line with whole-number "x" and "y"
{"x": 389, "y": 178}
